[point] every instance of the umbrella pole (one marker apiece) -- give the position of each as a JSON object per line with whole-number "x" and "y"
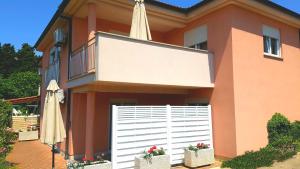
{"x": 53, "y": 158}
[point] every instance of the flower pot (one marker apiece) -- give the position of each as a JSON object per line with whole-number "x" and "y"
{"x": 200, "y": 158}
{"x": 157, "y": 162}
{"x": 106, "y": 165}
{"x": 28, "y": 135}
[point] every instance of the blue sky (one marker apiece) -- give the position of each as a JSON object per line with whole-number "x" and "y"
{"x": 24, "y": 20}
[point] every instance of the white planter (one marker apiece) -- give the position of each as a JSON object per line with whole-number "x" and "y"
{"x": 106, "y": 165}
{"x": 28, "y": 135}
{"x": 201, "y": 158}
{"x": 157, "y": 162}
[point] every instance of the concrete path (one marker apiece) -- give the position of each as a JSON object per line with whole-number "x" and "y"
{"x": 34, "y": 155}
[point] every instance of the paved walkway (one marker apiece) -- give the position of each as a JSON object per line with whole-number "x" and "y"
{"x": 34, "y": 155}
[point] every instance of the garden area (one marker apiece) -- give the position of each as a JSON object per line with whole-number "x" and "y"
{"x": 284, "y": 143}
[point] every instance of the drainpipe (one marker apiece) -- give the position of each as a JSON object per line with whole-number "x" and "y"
{"x": 69, "y": 92}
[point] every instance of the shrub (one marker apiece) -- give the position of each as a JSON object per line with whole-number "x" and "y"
{"x": 278, "y": 127}
{"x": 6, "y": 136}
{"x": 284, "y": 147}
{"x": 5, "y": 114}
{"x": 295, "y": 130}
{"x": 283, "y": 144}
{"x": 297, "y": 145}
{"x": 252, "y": 160}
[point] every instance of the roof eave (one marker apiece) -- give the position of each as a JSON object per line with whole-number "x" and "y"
{"x": 57, "y": 14}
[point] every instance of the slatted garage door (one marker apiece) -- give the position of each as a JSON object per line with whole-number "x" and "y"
{"x": 136, "y": 128}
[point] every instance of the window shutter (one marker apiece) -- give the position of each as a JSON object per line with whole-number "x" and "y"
{"x": 195, "y": 36}
{"x": 271, "y": 32}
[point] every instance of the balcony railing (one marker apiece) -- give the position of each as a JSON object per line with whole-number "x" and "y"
{"x": 82, "y": 60}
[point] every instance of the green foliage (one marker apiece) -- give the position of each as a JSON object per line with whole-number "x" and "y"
{"x": 12, "y": 61}
{"x": 297, "y": 145}
{"x": 4, "y": 164}
{"x": 284, "y": 147}
{"x": 5, "y": 114}
{"x": 7, "y": 59}
{"x": 6, "y": 136}
{"x": 279, "y": 126}
{"x": 21, "y": 84}
{"x": 281, "y": 146}
{"x": 18, "y": 71}
{"x": 252, "y": 160}
{"x": 295, "y": 130}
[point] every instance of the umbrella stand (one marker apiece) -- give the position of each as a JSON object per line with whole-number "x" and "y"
{"x": 53, "y": 157}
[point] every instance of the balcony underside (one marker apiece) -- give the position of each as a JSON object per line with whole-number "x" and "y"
{"x": 117, "y": 87}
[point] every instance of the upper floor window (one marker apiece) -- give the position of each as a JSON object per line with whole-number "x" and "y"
{"x": 53, "y": 71}
{"x": 196, "y": 38}
{"x": 271, "y": 41}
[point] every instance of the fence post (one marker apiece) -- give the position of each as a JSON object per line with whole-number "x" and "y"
{"x": 169, "y": 132}
{"x": 114, "y": 136}
{"x": 210, "y": 125}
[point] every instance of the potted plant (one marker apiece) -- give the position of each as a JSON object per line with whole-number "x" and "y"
{"x": 199, "y": 155}
{"x": 153, "y": 158}
{"x": 30, "y": 134}
{"x": 85, "y": 163}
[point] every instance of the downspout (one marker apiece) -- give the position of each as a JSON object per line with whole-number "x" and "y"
{"x": 69, "y": 92}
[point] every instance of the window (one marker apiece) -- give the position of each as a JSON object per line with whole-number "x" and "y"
{"x": 53, "y": 71}
{"x": 271, "y": 38}
{"x": 196, "y": 38}
{"x": 202, "y": 46}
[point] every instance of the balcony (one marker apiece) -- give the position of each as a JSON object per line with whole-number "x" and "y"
{"x": 120, "y": 59}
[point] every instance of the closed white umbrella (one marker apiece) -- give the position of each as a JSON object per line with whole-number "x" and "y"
{"x": 53, "y": 130}
{"x": 140, "y": 26}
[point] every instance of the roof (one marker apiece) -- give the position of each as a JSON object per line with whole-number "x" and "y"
{"x": 24, "y": 100}
{"x": 200, "y": 4}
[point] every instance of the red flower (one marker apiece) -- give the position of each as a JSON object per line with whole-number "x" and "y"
{"x": 84, "y": 159}
{"x": 154, "y": 147}
{"x": 91, "y": 159}
{"x": 150, "y": 151}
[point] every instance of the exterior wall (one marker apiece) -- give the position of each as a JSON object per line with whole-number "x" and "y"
{"x": 62, "y": 83}
{"x": 219, "y": 26}
{"x": 249, "y": 88}
{"x": 102, "y": 117}
{"x": 262, "y": 85}
{"x": 80, "y": 30}
{"x": 78, "y": 122}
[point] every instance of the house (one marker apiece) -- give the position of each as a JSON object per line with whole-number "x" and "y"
{"x": 241, "y": 57}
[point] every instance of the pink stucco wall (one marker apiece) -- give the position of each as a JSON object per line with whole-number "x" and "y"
{"x": 262, "y": 85}
{"x": 100, "y": 130}
{"x": 249, "y": 87}
{"x": 222, "y": 97}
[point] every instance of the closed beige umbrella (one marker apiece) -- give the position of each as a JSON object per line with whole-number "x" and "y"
{"x": 53, "y": 130}
{"x": 140, "y": 26}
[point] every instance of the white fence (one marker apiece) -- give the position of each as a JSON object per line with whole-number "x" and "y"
{"x": 136, "y": 128}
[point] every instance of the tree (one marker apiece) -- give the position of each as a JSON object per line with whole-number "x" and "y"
{"x": 18, "y": 72}
{"x": 7, "y": 59}
{"x": 18, "y": 85}
{"x": 26, "y": 59}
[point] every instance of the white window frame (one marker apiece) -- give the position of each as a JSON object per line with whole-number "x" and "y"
{"x": 195, "y": 36}
{"x": 274, "y": 33}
